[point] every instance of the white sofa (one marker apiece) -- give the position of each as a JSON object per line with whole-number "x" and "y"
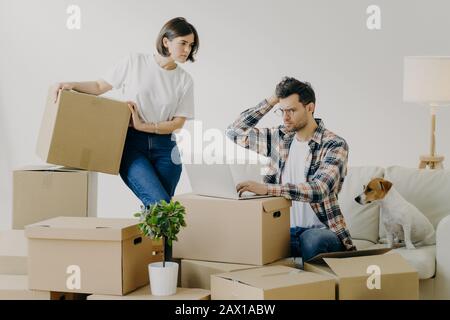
{"x": 429, "y": 191}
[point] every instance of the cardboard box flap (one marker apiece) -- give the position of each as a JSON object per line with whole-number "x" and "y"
{"x": 84, "y": 228}
{"x": 50, "y": 168}
{"x": 73, "y": 93}
{"x": 275, "y": 203}
{"x": 347, "y": 254}
{"x": 364, "y": 266}
{"x": 267, "y": 278}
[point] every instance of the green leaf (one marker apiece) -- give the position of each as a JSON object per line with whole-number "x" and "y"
{"x": 162, "y": 220}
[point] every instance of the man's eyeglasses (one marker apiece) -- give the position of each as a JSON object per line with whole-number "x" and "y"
{"x": 281, "y": 112}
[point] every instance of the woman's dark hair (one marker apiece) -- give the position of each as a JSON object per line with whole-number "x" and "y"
{"x": 289, "y": 86}
{"x": 177, "y": 27}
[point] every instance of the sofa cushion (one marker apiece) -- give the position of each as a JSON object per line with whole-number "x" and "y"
{"x": 423, "y": 259}
{"x": 362, "y": 221}
{"x": 428, "y": 190}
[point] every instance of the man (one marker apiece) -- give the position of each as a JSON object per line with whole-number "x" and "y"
{"x": 308, "y": 165}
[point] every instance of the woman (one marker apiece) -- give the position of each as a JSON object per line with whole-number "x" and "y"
{"x": 161, "y": 99}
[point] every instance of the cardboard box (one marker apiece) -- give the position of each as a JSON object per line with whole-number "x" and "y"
{"x": 13, "y": 252}
{"x": 44, "y": 192}
{"x": 253, "y": 231}
{"x": 197, "y": 274}
{"x": 272, "y": 283}
{"x": 89, "y": 255}
{"x": 368, "y": 274}
{"x": 145, "y": 294}
{"x": 293, "y": 262}
{"x": 15, "y": 287}
{"x": 83, "y": 131}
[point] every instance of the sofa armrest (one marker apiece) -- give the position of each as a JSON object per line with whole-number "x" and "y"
{"x": 442, "y": 280}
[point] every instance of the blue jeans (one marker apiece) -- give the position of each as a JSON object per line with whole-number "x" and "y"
{"x": 148, "y": 169}
{"x": 309, "y": 242}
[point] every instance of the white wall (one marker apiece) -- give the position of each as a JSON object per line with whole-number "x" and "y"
{"x": 246, "y": 47}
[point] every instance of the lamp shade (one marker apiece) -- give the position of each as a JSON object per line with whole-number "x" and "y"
{"x": 427, "y": 80}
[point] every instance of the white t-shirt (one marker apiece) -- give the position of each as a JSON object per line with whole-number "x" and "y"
{"x": 160, "y": 94}
{"x": 302, "y": 214}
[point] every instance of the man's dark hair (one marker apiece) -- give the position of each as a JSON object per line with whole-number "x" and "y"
{"x": 289, "y": 86}
{"x": 177, "y": 27}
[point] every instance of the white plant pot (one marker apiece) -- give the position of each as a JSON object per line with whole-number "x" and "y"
{"x": 163, "y": 280}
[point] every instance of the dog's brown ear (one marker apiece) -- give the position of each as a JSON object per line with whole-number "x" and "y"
{"x": 385, "y": 185}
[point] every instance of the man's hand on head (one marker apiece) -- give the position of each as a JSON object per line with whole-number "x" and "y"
{"x": 273, "y": 100}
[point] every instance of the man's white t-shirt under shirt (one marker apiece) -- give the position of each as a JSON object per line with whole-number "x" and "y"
{"x": 302, "y": 214}
{"x": 159, "y": 93}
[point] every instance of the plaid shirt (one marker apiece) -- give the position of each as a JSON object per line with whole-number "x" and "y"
{"x": 325, "y": 169}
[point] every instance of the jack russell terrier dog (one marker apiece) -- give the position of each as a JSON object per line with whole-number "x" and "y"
{"x": 401, "y": 219}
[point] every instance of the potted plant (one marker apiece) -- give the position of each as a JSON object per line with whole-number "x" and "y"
{"x": 162, "y": 220}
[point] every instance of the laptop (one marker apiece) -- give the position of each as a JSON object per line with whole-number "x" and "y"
{"x": 220, "y": 180}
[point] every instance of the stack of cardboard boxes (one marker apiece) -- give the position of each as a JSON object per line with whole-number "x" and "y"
{"x": 238, "y": 250}
{"x": 65, "y": 252}
{"x": 81, "y": 134}
{"x": 230, "y": 249}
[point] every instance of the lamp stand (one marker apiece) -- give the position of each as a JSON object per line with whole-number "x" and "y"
{"x": 432, "y": 161}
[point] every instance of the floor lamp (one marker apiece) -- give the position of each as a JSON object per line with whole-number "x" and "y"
{"x": 426, "y": 80}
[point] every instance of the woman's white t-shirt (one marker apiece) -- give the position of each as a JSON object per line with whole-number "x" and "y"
{"x": 159, "y": 93}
